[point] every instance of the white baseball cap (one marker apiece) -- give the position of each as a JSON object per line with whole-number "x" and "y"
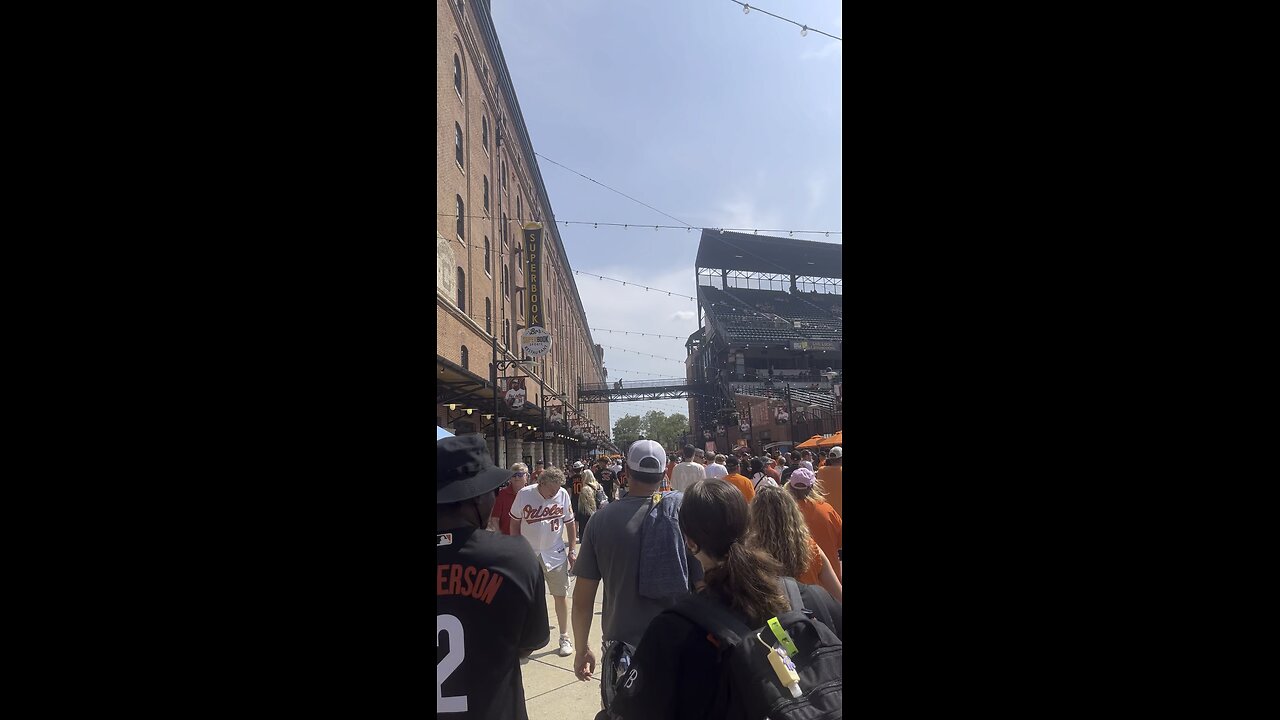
{"x": 577, "y": 466}
{"x": 836, "y": 452}
{"x": 646, "y": 456}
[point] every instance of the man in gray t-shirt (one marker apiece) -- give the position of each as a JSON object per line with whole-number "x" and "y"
{"x": 610, "y": 551}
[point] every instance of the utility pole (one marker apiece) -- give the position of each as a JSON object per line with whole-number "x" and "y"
{"x": 493, "y": 379}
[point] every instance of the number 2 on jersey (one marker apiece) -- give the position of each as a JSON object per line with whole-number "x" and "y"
{"x": 451, "y": 626}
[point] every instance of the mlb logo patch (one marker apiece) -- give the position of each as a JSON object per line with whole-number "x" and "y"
{"x": 444, "y": 539}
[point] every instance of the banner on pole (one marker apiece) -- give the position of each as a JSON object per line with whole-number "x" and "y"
{"x": 533, "y": 274}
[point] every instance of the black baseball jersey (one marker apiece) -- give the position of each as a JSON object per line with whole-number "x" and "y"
{"x": 491, "y": 607}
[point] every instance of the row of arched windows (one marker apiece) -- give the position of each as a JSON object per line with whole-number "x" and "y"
{"x": 459, "y": 152}
{"x": 488, "y": 309}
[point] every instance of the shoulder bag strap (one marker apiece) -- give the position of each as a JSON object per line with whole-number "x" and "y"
{"x": 792, "y": 590}
{"x": 713, "y": 618}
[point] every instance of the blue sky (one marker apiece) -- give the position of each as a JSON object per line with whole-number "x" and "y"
{"x": 718, "y": 118}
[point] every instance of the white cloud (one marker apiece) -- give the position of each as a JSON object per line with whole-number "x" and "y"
{"x": 744, "y": 212}
{"x": 683, "y": 315}
{"x": 817, "y": 191}
{"x": 832, "y": 48}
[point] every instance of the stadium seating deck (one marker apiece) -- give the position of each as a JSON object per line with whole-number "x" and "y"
{"x": 747, "y": 315}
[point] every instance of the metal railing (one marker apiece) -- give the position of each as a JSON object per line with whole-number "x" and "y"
{"x": 628, "y": 384}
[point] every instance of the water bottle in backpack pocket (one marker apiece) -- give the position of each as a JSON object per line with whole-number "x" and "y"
{"x": 788, "y": 669}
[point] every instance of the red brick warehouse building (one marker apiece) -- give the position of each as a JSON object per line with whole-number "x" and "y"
{"x": 488, "y": 187}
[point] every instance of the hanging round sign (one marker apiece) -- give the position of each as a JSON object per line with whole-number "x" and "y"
{"x": 535, "y": 341}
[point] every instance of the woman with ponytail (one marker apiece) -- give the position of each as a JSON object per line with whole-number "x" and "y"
{"x": 677, "y": 664}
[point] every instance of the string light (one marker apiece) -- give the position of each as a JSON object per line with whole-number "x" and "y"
{"x": 803, "y": 28}
{"x": 575, "y": 172}
{"x": 637, "y": 352}
{"x": 637, "y": 372}
{"x": 626, "y": 283}
{"x": 595, "y": 224}
{"x": 633, "y": 332}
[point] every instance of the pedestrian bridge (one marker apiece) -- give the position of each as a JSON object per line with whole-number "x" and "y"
{"x": 625, "y": 390}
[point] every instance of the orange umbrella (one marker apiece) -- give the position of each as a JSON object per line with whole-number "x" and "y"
{"x": 810, "y": 443}
{"x": 832, "y": 441}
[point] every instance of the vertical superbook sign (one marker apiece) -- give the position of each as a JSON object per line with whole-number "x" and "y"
{"x": 533, "y": 274}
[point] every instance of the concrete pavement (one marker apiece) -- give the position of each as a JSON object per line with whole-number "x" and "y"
{"x": 551, "y": 690}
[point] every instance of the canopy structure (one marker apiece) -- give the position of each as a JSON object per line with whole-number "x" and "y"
{"x": 810, "y": 444}
{"x": 442, "y": 433}
{"x": 726, "y": 250}
{"x": 832, "y": 441}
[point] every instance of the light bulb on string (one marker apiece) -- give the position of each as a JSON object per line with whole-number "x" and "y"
{"x": 804, "y": 31}
{"x": 746, "y": 9}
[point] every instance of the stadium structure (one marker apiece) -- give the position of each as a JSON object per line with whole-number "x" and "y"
{"x": 769, "y": 350}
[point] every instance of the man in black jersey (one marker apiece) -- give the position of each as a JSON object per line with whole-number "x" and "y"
{"x": 491, "y": 605}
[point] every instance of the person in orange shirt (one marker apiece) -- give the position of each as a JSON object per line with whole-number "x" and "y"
{"x": 778, "y": 528}
{"x": 831, "y": 480}
{"x": 822, "y": 520}
{"x": 737, "y": 479}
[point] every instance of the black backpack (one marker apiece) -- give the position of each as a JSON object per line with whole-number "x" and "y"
{"x": 749, "y": 688}
{"x": 613, "y": 666}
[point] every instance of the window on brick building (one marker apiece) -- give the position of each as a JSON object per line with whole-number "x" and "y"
{"x": 486, "y": 194}
{"x": 519, "y": 208}
{"x": 466, "y": 358}
{"x": 506, "y": 281}
{"x": 462, "y": 213}
{"x": 484, "y": 131}
{"x": 457, "y": 75}
{"x": 487, "y": 252}
{"x": 506, "y": 333}
{"x": 488, "y": 316}
{"x": 462, "y": 290}
{"x": 504, "y": 228}
{"x": 503, "y": 177}
{"x": 457, "y": 144}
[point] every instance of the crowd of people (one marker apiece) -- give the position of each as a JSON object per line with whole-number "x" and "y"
{"x": 691, "y": 553}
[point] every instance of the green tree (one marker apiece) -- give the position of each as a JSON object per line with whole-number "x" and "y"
{"x": 655, "y": 425}
{"x": 666, "y": 429}
{"x": 626, "y": 430}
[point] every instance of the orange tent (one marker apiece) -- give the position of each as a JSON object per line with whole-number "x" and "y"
{"x": 809, "y": 444}
{"x": 832, "y": 441}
